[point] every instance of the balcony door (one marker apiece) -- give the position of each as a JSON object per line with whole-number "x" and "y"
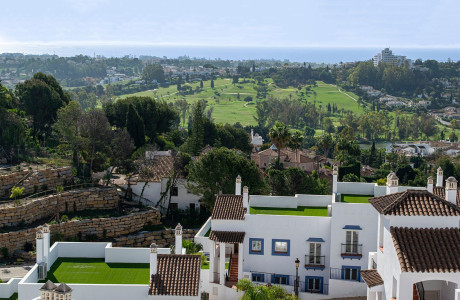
{"x": 315, "y": 254}
{"x": 352, "y": 241}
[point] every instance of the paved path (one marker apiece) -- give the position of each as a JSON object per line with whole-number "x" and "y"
{"x": 8, "y": 272}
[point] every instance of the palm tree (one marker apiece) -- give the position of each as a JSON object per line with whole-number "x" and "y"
{"x": 296, "y": 143}
{"x": 280, "y": 136}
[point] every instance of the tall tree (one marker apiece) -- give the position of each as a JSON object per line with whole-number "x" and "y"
{"x": 68, "y": 128}
{"x": 296, "y": 143}
{"x": 96, "y": 131}
{"x": 41, "y": 97}
{"x": 215, "y": 172}
{"x": 279, "y": 135}
{"x": 153, "y": 72}
{"x": 195, "y": 141}
{"x": 135, "y": 126}
{"x": 212, "y": 83}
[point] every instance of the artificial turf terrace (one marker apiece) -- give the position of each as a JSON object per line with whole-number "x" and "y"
{"x": 312, "y": 211}
{"x": 96, "y": 271}
{"x": 355, "y": 198}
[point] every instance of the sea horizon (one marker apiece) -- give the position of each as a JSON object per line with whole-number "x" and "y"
{"x": 328, "y": 55}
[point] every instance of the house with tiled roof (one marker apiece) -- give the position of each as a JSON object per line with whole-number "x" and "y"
{"x": 151, "y": 186}
{"x": 289, "y": 158}
{"x": 418, "y": 253}
{"x": 96, "y": 270}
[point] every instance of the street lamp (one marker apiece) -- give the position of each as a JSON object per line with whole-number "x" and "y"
{"x": 296, "y": 284}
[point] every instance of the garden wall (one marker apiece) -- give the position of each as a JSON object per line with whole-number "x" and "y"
{"x": 32, "y": 210}
{"x": 48, "y": 178}
{"x": 104, "y": 228}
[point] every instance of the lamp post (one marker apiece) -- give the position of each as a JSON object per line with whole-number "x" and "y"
{"x": 296, "y": 284}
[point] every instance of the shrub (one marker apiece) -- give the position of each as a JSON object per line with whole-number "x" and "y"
{"x": 350, "y": 178}
{"x": 28, "y": 247}
{"x": 4, "y": 252}
{"x": 64, "y": 218}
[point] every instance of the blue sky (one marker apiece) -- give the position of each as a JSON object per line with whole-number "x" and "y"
{"x": 288, "y": 23}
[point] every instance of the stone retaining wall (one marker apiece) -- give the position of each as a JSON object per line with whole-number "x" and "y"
{"x": 104, "y": 228}
{"x": 48, "y": 178}
{"x": 32, "y": 210}
{"x": 163, "y": 238}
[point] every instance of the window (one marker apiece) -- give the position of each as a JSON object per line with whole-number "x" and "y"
{"x": 351, "y": 273}
{"x": 315, "y": 254}
{"x": 351, "y": 241}
{"x": 174, "y": 191}
{"x": 280, "y": 247}
{"x": 313, "y": 284}
{"x": 280, "y": 279}
{"x": 173, "y": 206}
{"x": 258, "y": 277}
{"x": 192, "y": 206}
{"x": 256, "y": 246}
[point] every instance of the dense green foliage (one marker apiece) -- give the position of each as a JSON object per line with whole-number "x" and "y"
{"x": 254, "y": 291}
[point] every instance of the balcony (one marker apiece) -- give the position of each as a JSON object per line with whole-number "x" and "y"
{"x": 352, "y": 251}
{"x": 315, "y": 262}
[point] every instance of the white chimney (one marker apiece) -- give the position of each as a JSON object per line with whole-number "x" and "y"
{"x": 245, "y": 197}
{"x": 46, "y": 244}
{"x": 153, "y": 259}
{"x": 178, "y": 233}
{"x": 392, "y": 183}
{"x": 451, "y": 190}
{"x": 238, "y": 185}
{"x": 335, "y": 176}
{"x": 39, "y": 246}
{"x": 429, "y": 186}
{"x": 439, "y": 177}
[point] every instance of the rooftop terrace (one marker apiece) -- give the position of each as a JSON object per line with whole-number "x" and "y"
{"x": 355, "y": 198}
{"x": 96, "y": 271}
{"x": 311, "y": 211}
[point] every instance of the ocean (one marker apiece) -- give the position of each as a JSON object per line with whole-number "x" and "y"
{"x": 299, "y": 54}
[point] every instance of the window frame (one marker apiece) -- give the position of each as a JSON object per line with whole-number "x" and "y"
{"x": 174, "y": 191}
{"x": 255, "y": 275}
{"x": 315, "y": 254}
{"x": 261, "y": 252}
{"x": 280, "y": 277}
{"x": 288, "y": 247}
{"x": 321, "y": 283}
{"x": 358, "y": 270}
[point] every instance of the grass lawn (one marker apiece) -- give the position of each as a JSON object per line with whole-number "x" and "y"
{"x": 356, "y": 198}
{"x": 311, "y": 211}
{"x": 96, "y": 271}
{"x": 14, "y": 297}
{"x": 205, "y": 266}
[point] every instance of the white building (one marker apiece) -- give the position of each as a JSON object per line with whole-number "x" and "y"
{"x": 143, "y": 273}
{"x": 387, "y": 57}
{"x": 256, "y": 140}
{"x": 262, "y": 237}
{"x": 153, "y": 187}
{"x": 418, "y": 246}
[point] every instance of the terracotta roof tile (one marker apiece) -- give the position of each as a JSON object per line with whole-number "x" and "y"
{"x": 227, "y": 236}
{"x": 440, "y": 191}
{"x": 427, "y": 249}
{"x": 414, "y": 203}
{"x": 228, "y": 207}
{"x": 177, "y": 275}
{"x": 162, "y": 167}
{"x": 371, "y": 278}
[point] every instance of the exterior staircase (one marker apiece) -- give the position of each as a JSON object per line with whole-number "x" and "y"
{"x": 233, "y": 268}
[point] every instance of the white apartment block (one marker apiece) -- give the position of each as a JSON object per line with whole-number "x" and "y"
{"x": 328, "y": 240}
{"x": 387, "y": 57}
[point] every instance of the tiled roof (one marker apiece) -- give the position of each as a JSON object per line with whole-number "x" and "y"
{"x": 440, "y": 191}
{"x": 371, "y": 278}
{"x": 177, "y": 275}
{"x": 63, "y": 288}
{"x": 48, "y": 286}
{"x": 228, "y": 207}
{"x": 227, "y": 236}
{"x": 427, "y": 249}
{"x": 161, "y": 167}
{"x": 414, "y": 203}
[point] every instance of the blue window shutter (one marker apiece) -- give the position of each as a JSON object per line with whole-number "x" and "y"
{"x": 287, "y": 279}
{"x": 262, "y": 277}
{"x": 321, "y": 285}
{"x": 273, "y": 278}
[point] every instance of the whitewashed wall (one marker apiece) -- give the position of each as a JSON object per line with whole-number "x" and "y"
{"x": 131, "y": 255}
{"x": 183, "y": 198}
{"x": 290, "y": 201}
{"x": 9, "y": 288}
{"x": 82, "y": 249}
{"x": 355, "y": 188}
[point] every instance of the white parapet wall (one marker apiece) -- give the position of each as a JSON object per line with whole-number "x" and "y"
{"x": 130, "y": 255}
{"x": 356, "y": 188}
{"x": 9, "y": 288}
{"x": 290, "y": 201}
